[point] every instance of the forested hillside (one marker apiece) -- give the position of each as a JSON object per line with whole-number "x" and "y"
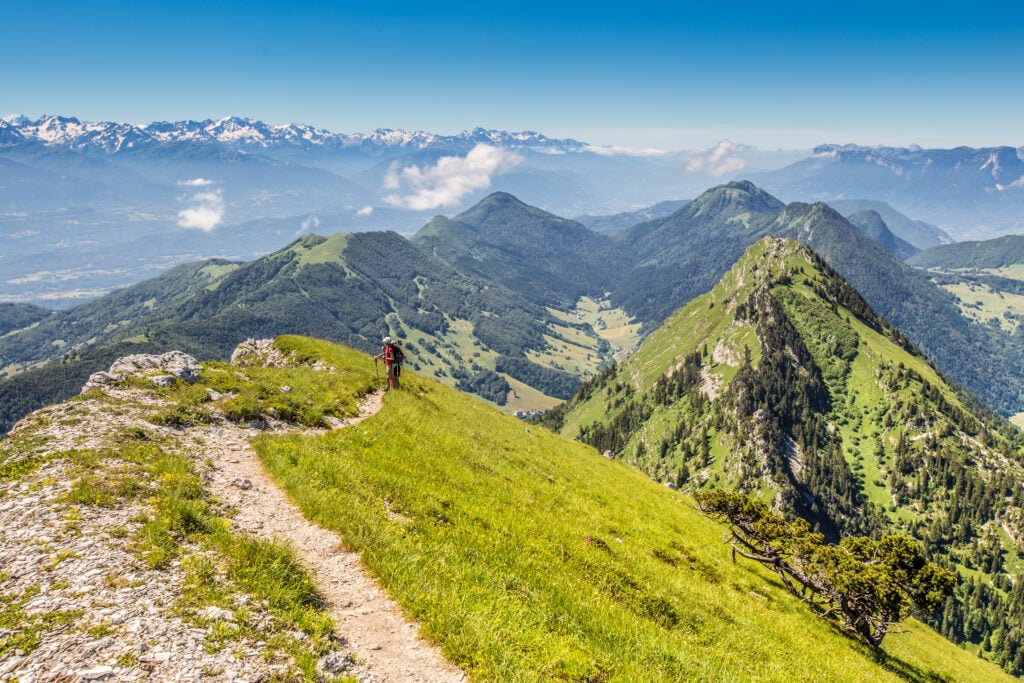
{"x": 18, "y": 316}
{"x": 784, "y": 383}
{"x": 1000, "y": 252}
{"x": 348, "y": 288}
{"x": 549, "y": 260}
{"x": 682, "y": 256}
{"x": 514, "y": 303}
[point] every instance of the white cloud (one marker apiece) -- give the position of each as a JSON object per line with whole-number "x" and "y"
{"x": 205, "y": 213}
{"x": 719, "y": 160}
{"x": 1015, "y": 184}
{"x": 448, "y": 181}
{"x": 365, "y": 211}
{"x": 195, "y": 182}
{"x": 624, "y": 151}
{"x": 311, "y": 223}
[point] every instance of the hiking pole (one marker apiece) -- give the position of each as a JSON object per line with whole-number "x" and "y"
{"x": 376, "y": 372}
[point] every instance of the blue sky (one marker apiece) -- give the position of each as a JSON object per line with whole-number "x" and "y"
{"x": 674, "y": 76}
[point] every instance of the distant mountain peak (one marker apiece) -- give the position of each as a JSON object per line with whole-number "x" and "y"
{"x": 734, "y": 197}
{"x": 501, "y": 198}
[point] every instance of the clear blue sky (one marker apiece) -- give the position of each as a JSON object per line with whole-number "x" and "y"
{"x": 669, "y": 75}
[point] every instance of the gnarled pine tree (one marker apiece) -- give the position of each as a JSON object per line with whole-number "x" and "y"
{"x": 869, "y": 585}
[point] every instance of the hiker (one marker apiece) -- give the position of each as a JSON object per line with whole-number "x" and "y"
{"x": 393, "y": 356}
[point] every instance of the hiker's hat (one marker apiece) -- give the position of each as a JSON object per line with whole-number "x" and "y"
{"x": 387, "y": 340}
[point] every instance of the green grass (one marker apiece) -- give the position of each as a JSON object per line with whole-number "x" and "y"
{"x": 611, "y": 324}
{"x": 981, "y": 303}
{"x": 328, "y": 250}
{"x": 529, "y": 557}
{"x": 299, "y": 395}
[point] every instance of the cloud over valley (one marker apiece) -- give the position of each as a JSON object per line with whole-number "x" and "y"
{"x": 205, "y": 210}
{"x": 448, "y": 181}
{"x": 717, "y": 161}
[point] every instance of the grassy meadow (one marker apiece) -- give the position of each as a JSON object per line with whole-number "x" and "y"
{"x": 530, "y": 557}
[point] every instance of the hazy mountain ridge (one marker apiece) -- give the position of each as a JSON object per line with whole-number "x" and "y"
{"x": 614, "y": 224}
{"x": 968, "y": 192}
{"x": 871, "y": 222}
{"x": 918, "y": 233}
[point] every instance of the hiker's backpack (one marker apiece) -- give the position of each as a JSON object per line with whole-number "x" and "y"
{"x": 399, "y": 355}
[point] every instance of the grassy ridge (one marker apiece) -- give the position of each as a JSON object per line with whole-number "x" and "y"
{"x": 529, "y": 557}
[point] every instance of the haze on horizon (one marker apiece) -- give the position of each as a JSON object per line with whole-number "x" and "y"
{"x": 639, "y": 75}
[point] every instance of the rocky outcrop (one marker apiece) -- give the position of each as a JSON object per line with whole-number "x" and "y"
{"x": 263, "y": 353}
{"x": 74, "y": 575}
{"x": 259, "y": 353}
{"x": 160, "y": 369}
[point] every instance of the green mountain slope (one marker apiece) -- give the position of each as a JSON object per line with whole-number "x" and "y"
{"x": 679, "y": 257}
{"x": 113, "y": 317}
{"x": 782, "y": 382}
{"x": 528, "y": 557}
{"x": 983, "y": 359}
{"x": 353, "y": 289}
{"x": 1001, "y": 252}
{"x": 18, "y": 316}
{"x": 870, "y": 221}
{"x": 682, "y": 256}
{"x": 918, "y": 233}
{"x": 550, "y": 260}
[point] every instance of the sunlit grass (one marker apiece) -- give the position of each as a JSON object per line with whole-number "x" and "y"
{"x": 529, "y": 557}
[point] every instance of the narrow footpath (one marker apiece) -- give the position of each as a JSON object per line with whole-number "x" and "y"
{"x": 59, "y": 558}
{"x": 386, "y": 644}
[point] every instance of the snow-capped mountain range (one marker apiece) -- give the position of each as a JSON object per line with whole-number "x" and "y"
{"x": 86, "y": 206}
{"x": 247, "y": 133}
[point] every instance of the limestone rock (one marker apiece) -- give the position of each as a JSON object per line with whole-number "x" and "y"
{"x": 161, "y": 369}
{"x": 175, "y": 363}
{"x": 258, "y": 353}
{"x": 98, "y": 380}
{"x": 261, "y": 353}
